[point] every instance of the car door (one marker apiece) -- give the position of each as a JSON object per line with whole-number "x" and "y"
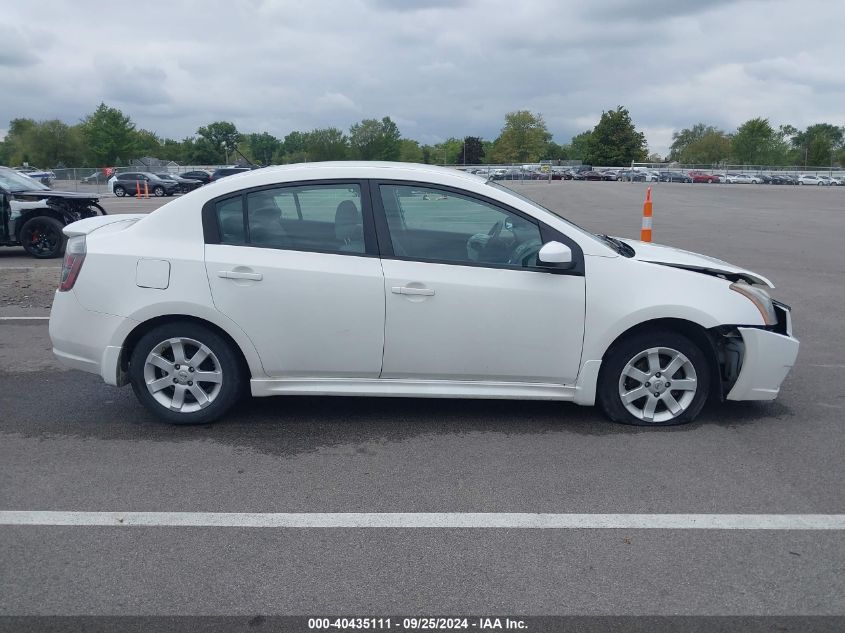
{"x": 296, "y": 267}
{"x": 465, "y": 299}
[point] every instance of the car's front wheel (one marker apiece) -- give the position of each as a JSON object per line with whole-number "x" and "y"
{"x": 42, "y": 237}
{"x": 119, "y": 191}
{"x": 185, "y": 373}
{"x": 158, "y": 191}
{"x": 654, "y": 379}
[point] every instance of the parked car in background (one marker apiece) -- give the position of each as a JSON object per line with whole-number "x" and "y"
{"x": 782, "y": 179}
{"x": 129, "y": 183}
{"x": 392, "y": 279}
{"x": 227, "y": 171}
{"x": 829, "y": 181}
{"x": 610, "y": 175}
{"x": 739, "y": 179}
{"x": 810, "y": 179}
{"x": 631, "y": 175}
{"x": 198, "y": 174}
{"x": 185, "y": 184}
{"x": 32, "y": 215}
{"x": 700, "y": 176}
{"x": 590, "y": 175}
{"x": 44, "y": 176}
{"x": 674, "y": 176}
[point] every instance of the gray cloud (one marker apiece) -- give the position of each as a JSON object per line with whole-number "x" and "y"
{"x": 439, "y": 68}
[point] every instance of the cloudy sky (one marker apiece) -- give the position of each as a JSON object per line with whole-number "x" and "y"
{"x": 439, "y": 68}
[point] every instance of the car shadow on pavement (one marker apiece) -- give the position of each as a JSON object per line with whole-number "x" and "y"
{"x": 82, "y": 406}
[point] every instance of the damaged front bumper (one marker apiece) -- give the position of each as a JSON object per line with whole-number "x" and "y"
{"x": 767, "y": 355}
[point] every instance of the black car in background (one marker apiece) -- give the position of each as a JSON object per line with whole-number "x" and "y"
{"x": 631, "y": 175}
{"x": 32, "y": 215}
{"x": 130, "y": 182}
{"x": 185, "y": 184}
{"x": 203, "y": 176}
{"x": 782, "y": 179}
{"x": 674, "y": 176}
{"x": 227, "y": 171}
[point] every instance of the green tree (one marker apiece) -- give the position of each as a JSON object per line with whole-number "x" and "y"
{"x": 581, "y": 147}
{"x": 818, "y": 145}
{"x": 700, "y": 145}
{"x": 686, "y": 137}
{"x": 220, "y": 135}
{"x": 262, "y": 147}
{"x": 754, "y": 142}
{"x": 292, "y": 149}
{"x": 615, "y": 141}
{"x": 556, "y": 152}
{"x": 375, "y": 140}
{"x": 410, "y": 151}
{"x": 20, "y": 141}
{"x": 326, "y": 144}
{"x": 472, "y": 151}
{"x": 109, "y": 136}
{"x": 147, "y": 144}
{"x": 523, "y": 138}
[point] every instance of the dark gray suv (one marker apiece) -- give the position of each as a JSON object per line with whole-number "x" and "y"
{"x": 130, "y": 182}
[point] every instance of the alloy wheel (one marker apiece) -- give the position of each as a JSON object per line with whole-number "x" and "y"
{"x": 658, "y": 384}
{"x": 183, "y": 374}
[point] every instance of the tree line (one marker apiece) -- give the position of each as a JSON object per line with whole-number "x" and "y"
{"x": 758, "y": 142}
{"x": 109, "y": 137}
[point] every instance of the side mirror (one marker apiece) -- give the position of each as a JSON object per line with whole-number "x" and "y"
{"x": 555, "y": 255}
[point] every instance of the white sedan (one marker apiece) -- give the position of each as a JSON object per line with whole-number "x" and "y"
{"x": 387, "y": 279}
{"x": 809, "y": 179}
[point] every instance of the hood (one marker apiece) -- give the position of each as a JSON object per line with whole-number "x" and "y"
{"x": 669, "y": 256}
{"x": 49, "y": 193}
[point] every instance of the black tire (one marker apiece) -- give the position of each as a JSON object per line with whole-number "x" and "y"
{"x": 158, "y": 191}
{"x": 119, "y": 191}
{"x": 231, "y": 386}
{"x": 608, "y": 389}
{"x": 42, "y": 237}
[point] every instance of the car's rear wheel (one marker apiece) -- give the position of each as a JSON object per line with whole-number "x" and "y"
{"x": 654, "y": 379}
{"x": 42, "y": 237}
{"x": 185, "y": 373}
{"x": 158, "y": 191}
{"x": 119, "y": 191}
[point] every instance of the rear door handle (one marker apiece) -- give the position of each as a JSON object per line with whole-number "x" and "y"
{"x": 236, "y": 274}
{"x": 407, "y": 290}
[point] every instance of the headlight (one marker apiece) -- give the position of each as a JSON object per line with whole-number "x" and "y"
{"x": 760, "y": 298}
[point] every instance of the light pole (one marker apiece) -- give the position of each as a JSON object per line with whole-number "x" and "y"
{"x": 225, "y": 151}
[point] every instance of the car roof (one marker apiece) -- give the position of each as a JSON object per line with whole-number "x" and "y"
{"x": 344, "y": 169}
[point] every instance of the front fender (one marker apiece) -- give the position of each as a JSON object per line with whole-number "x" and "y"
{"x": 623, "y": 293}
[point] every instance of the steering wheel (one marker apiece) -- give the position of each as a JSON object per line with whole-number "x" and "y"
{"x": 496, "y": 230}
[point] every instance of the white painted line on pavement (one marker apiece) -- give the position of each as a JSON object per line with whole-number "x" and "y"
{"x": 517, "y": 520}
{"x": 25, "y": 318}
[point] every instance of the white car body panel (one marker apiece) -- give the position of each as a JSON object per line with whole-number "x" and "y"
{"x": 650, "y": 252}
{"x": 320, "y": 326}
{"x": 311, "y": 314}
{"x": 482, "y": 324}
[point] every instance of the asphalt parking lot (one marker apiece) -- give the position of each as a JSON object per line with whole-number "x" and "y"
{"x": 71, "y": 443}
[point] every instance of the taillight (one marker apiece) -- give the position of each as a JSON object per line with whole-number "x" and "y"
{"x": 72, "y": 264}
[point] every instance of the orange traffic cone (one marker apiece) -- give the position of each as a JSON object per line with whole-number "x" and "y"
{"x": 137, "y": 188}
{"x": 645, "y": 232}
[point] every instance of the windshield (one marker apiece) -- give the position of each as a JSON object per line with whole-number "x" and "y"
{"x": 539, "y": 206}
{"x": 12, "y": 180}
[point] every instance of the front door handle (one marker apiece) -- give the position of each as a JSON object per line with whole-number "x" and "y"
{"x": 408, "y": 290}
{"x": 237, "y": 274}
